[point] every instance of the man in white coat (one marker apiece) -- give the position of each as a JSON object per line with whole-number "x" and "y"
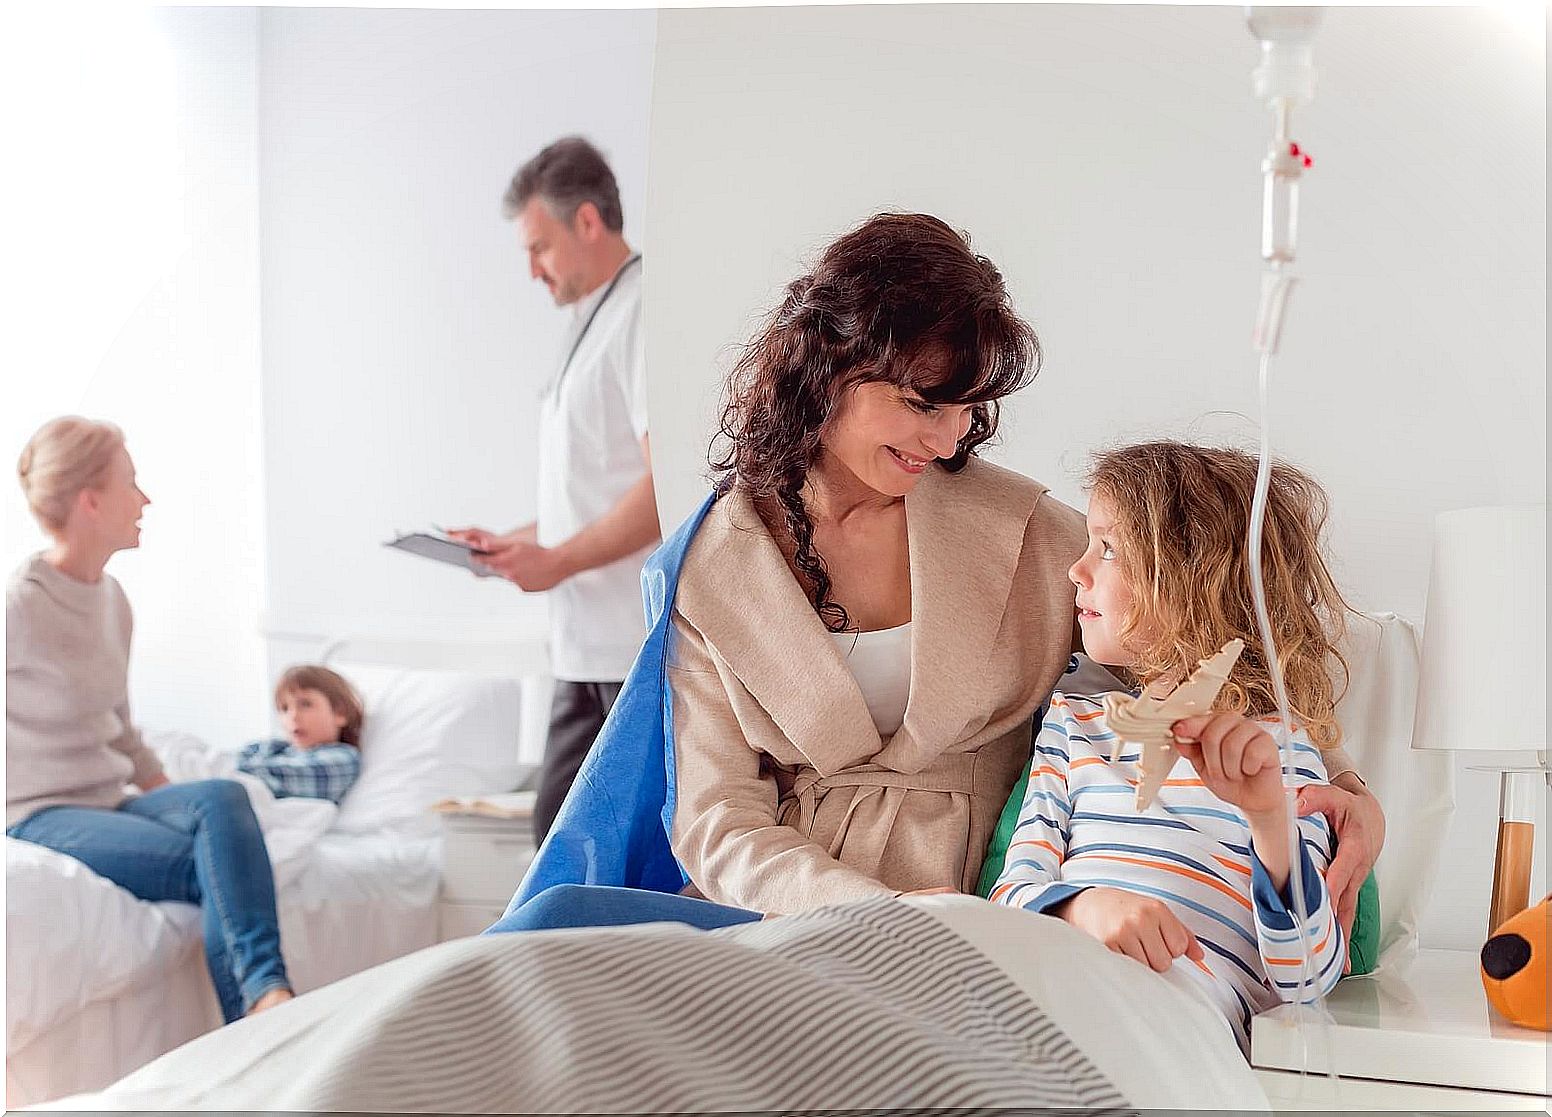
{"x": 597, "y": 518}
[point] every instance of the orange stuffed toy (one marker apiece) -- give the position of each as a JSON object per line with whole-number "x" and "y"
{"x": 1514, "y": 967}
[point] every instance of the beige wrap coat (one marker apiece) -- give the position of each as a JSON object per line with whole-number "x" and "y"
{"x": 787, "y": 796}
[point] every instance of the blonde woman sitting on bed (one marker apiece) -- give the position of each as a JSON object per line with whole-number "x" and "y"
{"x": 870, "y": 614}
{"x": 71, "y": 748}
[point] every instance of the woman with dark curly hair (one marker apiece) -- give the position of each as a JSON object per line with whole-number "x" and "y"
{"x": 869, "y": 614}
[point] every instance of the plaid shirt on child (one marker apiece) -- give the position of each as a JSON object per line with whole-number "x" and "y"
{"x": 323, "y": 772}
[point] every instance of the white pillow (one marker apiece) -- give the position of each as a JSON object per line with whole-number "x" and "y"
{"x": 429, "y": 735}
{"x": 1417, "y": 789}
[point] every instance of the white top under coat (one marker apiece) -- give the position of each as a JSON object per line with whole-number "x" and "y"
{"x": 881, "y": 663}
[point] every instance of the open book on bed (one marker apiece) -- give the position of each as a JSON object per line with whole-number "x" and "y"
{"x": 511, "y": 804}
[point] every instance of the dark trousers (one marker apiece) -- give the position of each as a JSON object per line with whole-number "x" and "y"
{"x": 576, "y": 716}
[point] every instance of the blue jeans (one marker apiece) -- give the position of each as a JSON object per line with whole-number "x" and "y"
{"x": 196, "y": 842}
{"x": 597, "y": 905}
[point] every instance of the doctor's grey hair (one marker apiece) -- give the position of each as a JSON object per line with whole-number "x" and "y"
{"x": 566, "y": 174}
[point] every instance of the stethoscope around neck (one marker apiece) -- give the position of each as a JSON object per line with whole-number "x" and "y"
{"x": 552, "y": 390}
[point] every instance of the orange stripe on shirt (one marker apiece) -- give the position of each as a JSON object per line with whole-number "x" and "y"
{"x": 1299, "y": 961}
{"x": 1089, "y": 716}
{"x": 1177, "y": 870}
{"x": 1236, "y": 866}
{"x": 1038, "y": 842}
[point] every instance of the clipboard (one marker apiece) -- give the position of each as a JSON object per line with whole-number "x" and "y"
{"x": 440, "y": 548}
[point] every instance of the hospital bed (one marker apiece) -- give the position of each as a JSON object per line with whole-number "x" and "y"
{"x": 659, "y": 1018}
{"x": 100, "y": 983}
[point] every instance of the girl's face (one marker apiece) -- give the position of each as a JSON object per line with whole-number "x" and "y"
{"x": 309, "y": 719}
{"x": 112, "y": 510}
{"x": 888, "y": 436}
{"x": 1104, "y": 597}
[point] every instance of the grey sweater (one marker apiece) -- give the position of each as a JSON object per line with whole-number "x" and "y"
{"x": 68, "y": 737}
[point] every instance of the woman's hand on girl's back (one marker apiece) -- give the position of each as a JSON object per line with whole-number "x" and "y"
{"x": 1138, "y": 926}
{"x": 1359, "y": 823}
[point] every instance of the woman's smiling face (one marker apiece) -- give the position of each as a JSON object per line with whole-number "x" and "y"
{"x": 887, "y": 436}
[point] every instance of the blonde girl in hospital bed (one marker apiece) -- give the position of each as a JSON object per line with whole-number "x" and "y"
{"x": 1197, "y": 883}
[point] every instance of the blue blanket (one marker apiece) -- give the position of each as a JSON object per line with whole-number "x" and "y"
{"x": 613, "y": 827}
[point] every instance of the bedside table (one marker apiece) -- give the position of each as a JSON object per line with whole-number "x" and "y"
{"x": 483, "y": 861}
{"x": 1421, "y": 1038}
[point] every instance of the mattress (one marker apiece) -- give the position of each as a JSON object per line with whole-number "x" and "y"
{"x": 108, "y": 982}
{"x": 359, "y": 900}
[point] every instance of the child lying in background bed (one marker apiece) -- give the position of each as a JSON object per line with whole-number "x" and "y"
{"x": 322, "y": 716}
{"x": 1198, "y": 884}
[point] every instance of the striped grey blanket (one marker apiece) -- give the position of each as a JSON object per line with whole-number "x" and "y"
{"x": 863, "y": 1006}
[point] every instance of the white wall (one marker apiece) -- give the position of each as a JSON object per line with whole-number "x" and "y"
{"x": 132, "y": 236}
{"x": 404, "y": 343}
{"x": 1108, "y": 159}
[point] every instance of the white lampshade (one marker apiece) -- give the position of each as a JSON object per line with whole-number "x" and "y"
{"x": 1484, "y": 674}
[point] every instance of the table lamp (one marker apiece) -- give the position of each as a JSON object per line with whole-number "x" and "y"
{"x": 1484, "y": 671}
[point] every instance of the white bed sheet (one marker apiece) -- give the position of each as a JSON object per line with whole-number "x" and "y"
{"x": 1162, "y": 1045}
{"x": 359, "y": 900}
{"x": 112, "y": 1036}
{"x": 1142, "y": 1030}
{"x": 126, "y": 981}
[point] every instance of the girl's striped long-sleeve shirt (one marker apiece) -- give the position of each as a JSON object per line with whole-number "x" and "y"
{"x": 1079, "y": 829}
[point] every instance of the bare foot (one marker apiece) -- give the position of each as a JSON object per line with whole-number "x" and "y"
{"x": 271, "y": 999}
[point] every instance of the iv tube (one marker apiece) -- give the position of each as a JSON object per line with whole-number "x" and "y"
{"x": 1309, "y": 988}
{"x": 1285, "y": 78}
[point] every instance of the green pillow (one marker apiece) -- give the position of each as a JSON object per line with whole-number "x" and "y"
{"x": 1002, "y": 837}
{"x": 1363, "y": 947}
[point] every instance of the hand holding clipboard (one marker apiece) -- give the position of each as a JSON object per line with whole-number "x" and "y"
{"x": 443, "y": 547}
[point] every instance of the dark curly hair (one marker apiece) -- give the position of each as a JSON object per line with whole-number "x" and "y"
{"x": 901, "y": 287}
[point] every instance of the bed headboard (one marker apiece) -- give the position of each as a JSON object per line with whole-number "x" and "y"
{"x": 515, "y": 660}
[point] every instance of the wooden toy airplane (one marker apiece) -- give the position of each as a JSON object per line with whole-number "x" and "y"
{"x": 1145, "y": 719}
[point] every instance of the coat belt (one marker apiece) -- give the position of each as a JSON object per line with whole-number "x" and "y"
{"x": 951, "y": 773}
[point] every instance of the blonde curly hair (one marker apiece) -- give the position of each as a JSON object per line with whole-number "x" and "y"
{"x": 1182, "y": 515}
